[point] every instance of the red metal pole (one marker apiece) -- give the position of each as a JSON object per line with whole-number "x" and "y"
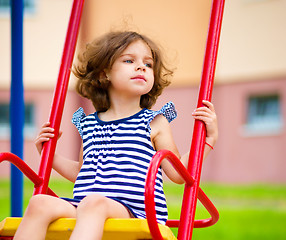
{"x": 60, "y": 95}
{"x": 198, "y": 141}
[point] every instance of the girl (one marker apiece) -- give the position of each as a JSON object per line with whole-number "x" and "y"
{"x": 122, "y": 73}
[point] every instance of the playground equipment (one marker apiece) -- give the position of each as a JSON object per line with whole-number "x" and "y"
{"x": 130, "y": 228}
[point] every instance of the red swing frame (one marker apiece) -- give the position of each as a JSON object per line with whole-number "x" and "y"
{"x": 190, "y": 175}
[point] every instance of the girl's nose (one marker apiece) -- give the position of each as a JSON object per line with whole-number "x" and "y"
{"x": 141, "y": 66}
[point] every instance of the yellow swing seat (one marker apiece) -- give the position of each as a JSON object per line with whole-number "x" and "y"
{"x": 120, "y": 229}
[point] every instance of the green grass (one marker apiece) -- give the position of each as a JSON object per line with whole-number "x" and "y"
{"x": 246, "y": 212}
{"x": 61, "y": 187}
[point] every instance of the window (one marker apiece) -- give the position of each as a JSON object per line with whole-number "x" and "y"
{"x": 29, "y": 121}
{"x": 264, "y": 115}
{"x": 29, "y": 6}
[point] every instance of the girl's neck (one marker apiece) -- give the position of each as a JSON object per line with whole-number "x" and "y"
{"x": 119, "y": 110}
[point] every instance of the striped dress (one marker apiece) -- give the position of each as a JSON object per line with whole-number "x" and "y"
{"x": 116, "y": 156}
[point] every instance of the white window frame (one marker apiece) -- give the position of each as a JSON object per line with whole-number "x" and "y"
{"x": 264, "y": 115}
{"x": 29, "y": 128}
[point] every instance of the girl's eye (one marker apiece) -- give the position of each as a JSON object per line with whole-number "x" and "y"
{"x": 128, "y": 61}
{"x": 149, "y": 65}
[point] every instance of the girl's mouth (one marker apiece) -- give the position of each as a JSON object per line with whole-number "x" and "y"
{"x": 139, "y": 77}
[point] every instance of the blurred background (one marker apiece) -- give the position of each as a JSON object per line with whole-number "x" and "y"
{"x": 245, "y": 174}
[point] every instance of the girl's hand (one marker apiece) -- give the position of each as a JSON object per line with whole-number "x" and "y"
{"x": 208, "y": 116}
{"x": 45, "y": 135}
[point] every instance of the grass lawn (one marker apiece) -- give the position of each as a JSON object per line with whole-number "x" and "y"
{"x": 246, "y": 212}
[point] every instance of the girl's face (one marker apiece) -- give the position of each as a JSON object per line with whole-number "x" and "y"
{"x": 132, "y": 74}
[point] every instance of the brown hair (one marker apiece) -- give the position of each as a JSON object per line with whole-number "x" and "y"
{"x": 101, "y": 54}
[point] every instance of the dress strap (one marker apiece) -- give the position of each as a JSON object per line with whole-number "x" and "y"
{"x": 76, "y": 120}
{"x": 168, "y": 111}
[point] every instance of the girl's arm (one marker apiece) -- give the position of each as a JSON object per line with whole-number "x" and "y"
{"x": 68, "y": 168}
{"x": 162, "y": 138}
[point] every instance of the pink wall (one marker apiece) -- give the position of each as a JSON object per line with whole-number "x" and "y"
{"x": 237, "y": 158}
{"x": 240, "y": 158}
{"x": 42, "y": 101}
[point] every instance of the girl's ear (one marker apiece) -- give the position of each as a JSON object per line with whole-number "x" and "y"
{"x": 105, "y": 74}
{"x": 104, "y": 80}
{"x": 102, "y": 75}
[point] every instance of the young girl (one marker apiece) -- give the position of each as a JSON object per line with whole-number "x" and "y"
{"x": 122, "y": 73}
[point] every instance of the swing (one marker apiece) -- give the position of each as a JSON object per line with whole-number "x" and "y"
{"x": 129, "y": 229}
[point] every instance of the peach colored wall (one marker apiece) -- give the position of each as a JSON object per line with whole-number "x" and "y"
{"x": 44, "y": 35}
{"x": 179, "y": 27}
{"x": 252, "y": 44}
{"x": 252, "y": 41}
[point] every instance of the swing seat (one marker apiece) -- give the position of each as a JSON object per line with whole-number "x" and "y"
{"x": 120, "y": 229}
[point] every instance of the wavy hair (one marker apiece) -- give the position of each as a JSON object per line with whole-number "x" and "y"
{"x": 101, "y": 54}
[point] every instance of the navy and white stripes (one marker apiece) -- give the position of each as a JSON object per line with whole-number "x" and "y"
{"x": 116, "y": 156}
